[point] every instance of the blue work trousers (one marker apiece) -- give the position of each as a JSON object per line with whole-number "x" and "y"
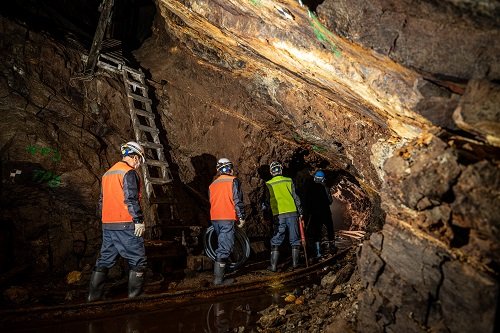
{"x": 125, "y": 244}
{"x": 281, "y": 224}
{"x": 225, "y": 236}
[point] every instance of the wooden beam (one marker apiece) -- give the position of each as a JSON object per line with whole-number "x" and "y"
{"x": 104, "y": 19}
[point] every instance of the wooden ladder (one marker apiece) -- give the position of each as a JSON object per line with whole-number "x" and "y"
{"x": 107, "y": 54}
{"x": 156, "y": 168}
{"x": 155, "y": 171}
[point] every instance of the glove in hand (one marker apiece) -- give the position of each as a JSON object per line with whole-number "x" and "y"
{"x": 241, "y": 223}
{"x": 139, "y": 229}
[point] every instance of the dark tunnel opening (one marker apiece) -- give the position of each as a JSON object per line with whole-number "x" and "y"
{"x": 131, "y": 21}
{"x": 312, "y": 4}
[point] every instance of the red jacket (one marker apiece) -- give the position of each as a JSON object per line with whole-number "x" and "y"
{"x": 221, "y": 199}
{"x": 120, "y": 194}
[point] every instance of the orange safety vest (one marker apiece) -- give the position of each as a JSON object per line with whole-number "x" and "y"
{"x": 114, "y": 208}
{"x": 221, "y": 199}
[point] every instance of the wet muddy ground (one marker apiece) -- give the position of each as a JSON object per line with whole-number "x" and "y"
{"x": 216, "y": 315}
{"x": 264, "y": 306}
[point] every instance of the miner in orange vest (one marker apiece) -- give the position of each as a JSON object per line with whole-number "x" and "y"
{"x": 226, "y": 211}
{"x": 122, "y": 222}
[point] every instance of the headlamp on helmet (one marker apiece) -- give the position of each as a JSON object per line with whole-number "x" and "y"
{"x": 224, "y": 166}
{"x": 275, "y": 168}
{"x": 319, "y": 176}
{"x": 132, "y": 148}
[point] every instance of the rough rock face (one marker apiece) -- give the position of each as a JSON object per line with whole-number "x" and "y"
{"x": 442, "y": 39}
{"x": 478, "y": 111}
{"x": 58, "y": 135}
{"x": 415, "y": 284}
{"x": 440, "y": 246}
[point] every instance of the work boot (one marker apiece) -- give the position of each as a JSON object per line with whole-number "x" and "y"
{"x": 318, "y": 249}
{"x": 135, "y": 283}
{"x": 274, "y": 259}
{"x": 332, "y": 248}
{"x": 96, "y": 286}
{"x": 295, "y": 256}
{"x": 328, "y": 247}
{"x": 219, "y": 269}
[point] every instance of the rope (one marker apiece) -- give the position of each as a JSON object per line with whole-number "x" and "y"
{"x": 241, "y": 248}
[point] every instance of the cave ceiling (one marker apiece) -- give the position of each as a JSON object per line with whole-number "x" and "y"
{"x": 355, "y": 80}
{"x": 371, "y": 66}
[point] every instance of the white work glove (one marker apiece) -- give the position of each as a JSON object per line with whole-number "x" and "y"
{"x": 139, "y": 229}
{"x": 240, "y": 223}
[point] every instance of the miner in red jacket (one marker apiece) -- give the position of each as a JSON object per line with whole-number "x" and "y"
{"x": 226, "y": 210}
{"x": 122, "y": 222}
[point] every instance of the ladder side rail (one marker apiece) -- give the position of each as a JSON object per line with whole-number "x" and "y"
{"x": 104, "y": 19}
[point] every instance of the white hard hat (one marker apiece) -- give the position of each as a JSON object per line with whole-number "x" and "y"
{"x": 224, "y": 165}
{"x": 275, "y": 168}
{"x": 133, "y": 147}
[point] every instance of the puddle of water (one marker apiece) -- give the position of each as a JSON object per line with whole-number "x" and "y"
{"x": 232, "y": 313}
{"x": 238, "y": 314}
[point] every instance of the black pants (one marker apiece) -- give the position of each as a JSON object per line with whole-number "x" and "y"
{"x": 317, "y": 220}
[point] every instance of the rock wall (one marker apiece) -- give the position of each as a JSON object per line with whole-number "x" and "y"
{"x": 434, "y": 264}
{"x": 59, "y": 133}
{"x": 445, "y": 39}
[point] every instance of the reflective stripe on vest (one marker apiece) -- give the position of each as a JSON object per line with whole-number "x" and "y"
{"x": 221, "y": 199}
{"x": 280, "y": 195}
{"x": 114, "y": 208}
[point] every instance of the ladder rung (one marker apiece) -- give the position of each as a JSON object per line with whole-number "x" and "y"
{"x": 134, "y": 73}
{"x": 152, "y": 145}
{"x": 132, "y": 70}
{"x": 144, "y": 113}
{"x": 159, "y": 180}
{"x": 157, "y": 163}
{"x": 112, "y": 59}
{"x": 109, "y": 67}
{"x": 130, "y": 80}
{"x": 136, "y": 84}
{"x": 111, "y": 42}
{"x": 139, "y": 97}
{"x": 114, "y": 54}
{"x": 148, "y": 129}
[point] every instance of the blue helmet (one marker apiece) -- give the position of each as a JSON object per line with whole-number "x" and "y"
{"x": 319, "y": 176}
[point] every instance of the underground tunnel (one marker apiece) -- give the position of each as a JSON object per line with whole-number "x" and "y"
{"x": 396, "y": 102}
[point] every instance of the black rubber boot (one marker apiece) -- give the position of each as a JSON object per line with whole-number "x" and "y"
{"x": 318, "y": 249}
{"x": 135, "y": 283}
{"x": 219, "y": 269}
{"x": 295, "y": 256}
{"x": 274, "y": 259}
{"x": 96, "y": 286}
{"x": 327, "y": 247}
{"x": 332, "y": 248}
